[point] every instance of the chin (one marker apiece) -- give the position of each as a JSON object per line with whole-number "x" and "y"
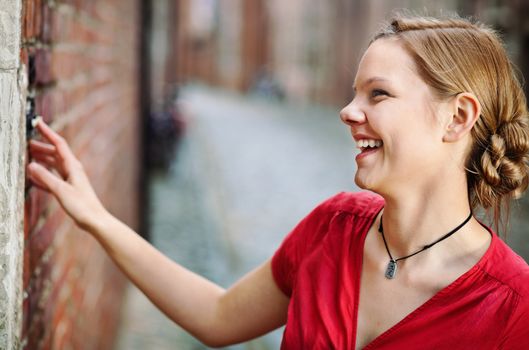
{"x": 366, "y": 183}
{"x": 361, "y": 182}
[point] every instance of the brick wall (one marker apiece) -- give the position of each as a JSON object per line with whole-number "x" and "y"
{"x": 83, "y": 75}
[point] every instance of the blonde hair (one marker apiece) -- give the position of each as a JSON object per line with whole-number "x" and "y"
{"x": 454, "y": 55}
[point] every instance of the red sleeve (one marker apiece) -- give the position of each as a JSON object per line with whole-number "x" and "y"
{"x": 300, "y": 242}
{"x": 517, "y": 330}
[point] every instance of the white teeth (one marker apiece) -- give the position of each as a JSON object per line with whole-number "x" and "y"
{"x": 368, "y": 143}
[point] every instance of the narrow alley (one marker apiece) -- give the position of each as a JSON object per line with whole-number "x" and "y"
{"x": 252, "y": 89}
{"x": 246, "y": 171}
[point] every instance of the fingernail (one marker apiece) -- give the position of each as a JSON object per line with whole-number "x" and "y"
{"x": 33, "y": 166}
{"x": 35, "y": 121}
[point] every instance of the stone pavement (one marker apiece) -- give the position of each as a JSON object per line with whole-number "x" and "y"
{"x": 245, "y": 173}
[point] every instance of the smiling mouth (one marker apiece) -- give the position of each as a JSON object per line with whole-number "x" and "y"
{"x": 368, "y": 145}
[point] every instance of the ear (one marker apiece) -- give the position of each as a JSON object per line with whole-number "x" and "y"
{"x": 466, "y": 110}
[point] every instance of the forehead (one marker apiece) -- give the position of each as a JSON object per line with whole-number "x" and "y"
{"x": 387, "y": 59}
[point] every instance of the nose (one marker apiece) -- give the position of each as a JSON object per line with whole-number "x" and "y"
{"x": 351, "y": 114}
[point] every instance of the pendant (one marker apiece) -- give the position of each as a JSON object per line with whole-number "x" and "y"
{"x": 391, "y": 270}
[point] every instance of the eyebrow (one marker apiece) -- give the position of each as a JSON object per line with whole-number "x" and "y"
{"x": 371, "y": 80}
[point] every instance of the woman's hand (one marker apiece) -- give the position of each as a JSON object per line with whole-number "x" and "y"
{"x": 72, "y": 187}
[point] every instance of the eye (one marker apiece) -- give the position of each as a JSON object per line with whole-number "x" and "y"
{"x": 379, "y": 92}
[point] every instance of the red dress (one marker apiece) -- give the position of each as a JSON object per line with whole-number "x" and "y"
{"x": 318, "y": 266}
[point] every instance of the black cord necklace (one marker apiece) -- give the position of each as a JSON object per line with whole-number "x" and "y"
{"x": 391, "y": 270}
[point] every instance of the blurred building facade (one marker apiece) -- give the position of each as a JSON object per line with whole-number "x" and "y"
{"x": 309, "y": 48}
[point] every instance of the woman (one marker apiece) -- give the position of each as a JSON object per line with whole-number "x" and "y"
{"x": 442, "y": 127}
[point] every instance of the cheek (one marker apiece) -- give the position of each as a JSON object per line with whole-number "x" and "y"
{"x": 411, "y": 144}
{"x": 406, "y": 128}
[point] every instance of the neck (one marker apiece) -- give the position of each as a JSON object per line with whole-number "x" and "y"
{"x": 414, "y": 219}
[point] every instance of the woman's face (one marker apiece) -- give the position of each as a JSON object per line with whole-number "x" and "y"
{"x": 392, "y": 119}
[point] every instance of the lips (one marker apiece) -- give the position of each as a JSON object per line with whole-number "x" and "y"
{"x": 367, "y": 145}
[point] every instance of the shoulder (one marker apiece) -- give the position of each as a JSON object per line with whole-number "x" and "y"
{"x": 325, "y": 228}
{"x": 361, "y": 204}
{"x": 358, "y": 207}
{"x": 513, "y": 272}
{"x": 510, "y": 269}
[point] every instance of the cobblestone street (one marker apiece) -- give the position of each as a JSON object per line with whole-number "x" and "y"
{"x": 245, "y": 173}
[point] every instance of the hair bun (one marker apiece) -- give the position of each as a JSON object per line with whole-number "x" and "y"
{"x": 505, "y": 171}
{"x": 517, "y": 134}
{"x": 497, "y": 150}
{"x": 491, "y": 161}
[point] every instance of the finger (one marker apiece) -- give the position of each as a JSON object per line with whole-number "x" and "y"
{"x": 38, "y": 184}
{"x": 51, "y": 163}
{"x": 44, "y": 178}
{"x": 63, "y": 150}
{"x": 48, "y": 133}
{"x": 42, "y": 147}
{"x": 55, "y": 139}
{"x": 47, "y": 161}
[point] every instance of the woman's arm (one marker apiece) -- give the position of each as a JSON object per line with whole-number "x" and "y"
{"x": 217, "y": 317}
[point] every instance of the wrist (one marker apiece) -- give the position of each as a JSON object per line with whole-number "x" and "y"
{"x": 97, "y": 222}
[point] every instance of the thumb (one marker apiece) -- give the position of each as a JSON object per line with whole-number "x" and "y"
{"x": 44, "y": 179}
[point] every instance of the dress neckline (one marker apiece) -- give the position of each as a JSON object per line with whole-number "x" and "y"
{"x": 458, "y": 281}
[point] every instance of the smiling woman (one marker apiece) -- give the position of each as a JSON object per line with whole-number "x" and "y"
{"x": 442, "y": 126}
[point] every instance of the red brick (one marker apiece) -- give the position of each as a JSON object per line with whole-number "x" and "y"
{"x": 62, "y": 334}
{"x": 26, "y": 270}
{"x": 34, "y": 337}
{"x": 50, "y": 103}
{"x": 37, "y": 18}
{"x": 56, "y": 306}
{"x": 26, "y": 218}
{"x": 25, "y": 20}
{"x": 84, "y": 34}
{"x": 35, "y": 202}
{"x": 30, "y": 18}
{"x": 61, "y": 27}
{"x": 62, "y": 67}
{"x": 24, "y": 58}
{"x": 39, "y": 296}
{"x": 43, "y": 66}
{"x": 46, "y": 30}
{"x": 25, "y": 311}
{"x": 40, "y": 241}
{"x": 45, "y": 342}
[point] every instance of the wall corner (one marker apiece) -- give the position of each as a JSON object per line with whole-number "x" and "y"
{"x": 12, "y": 162}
